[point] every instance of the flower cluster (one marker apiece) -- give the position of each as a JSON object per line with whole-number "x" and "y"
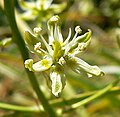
{"x": 56, "y": 54}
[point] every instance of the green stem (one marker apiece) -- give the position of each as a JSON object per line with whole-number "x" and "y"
{"x": 18, "y": 108}
{"x": 57, "y": 102}
{"x": 17, "y": 38}
{"x": 96, "y": 95}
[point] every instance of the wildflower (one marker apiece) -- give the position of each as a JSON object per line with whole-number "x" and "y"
{"x": 59, "y": 53}
{"x": 41, "y": 10}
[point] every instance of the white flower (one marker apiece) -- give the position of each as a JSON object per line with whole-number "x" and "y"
{"x": 34, "y": 10}
{"x": 59, "y": 53}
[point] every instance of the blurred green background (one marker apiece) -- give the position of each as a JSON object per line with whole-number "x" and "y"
{"x": 103, "y": 18}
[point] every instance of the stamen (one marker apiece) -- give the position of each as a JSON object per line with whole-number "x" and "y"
{"x": 82, "y": 46}
{"x": 78, "y": 29}
{"x": 54, "y": 19}
{"x": 47, "y": 45}
{"x": 37, "y": 46}
{"x": 68, "y": 38}
{"x": 62, "y": 61}
{"x": 37, "y": 30}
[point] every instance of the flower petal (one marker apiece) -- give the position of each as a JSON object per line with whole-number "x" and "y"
{"x": 54, "y": 30}
{"x": 57, "y": 8}
{"x": 43, "y": 4}
{"x": 78, "y": 64}
{"x": 85, "y": 37}
{"x": 93, "y": 70}
{"x": 58, "y": 82}
{"x": 26, "y": 5}
{"x": 42, "y": 65}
